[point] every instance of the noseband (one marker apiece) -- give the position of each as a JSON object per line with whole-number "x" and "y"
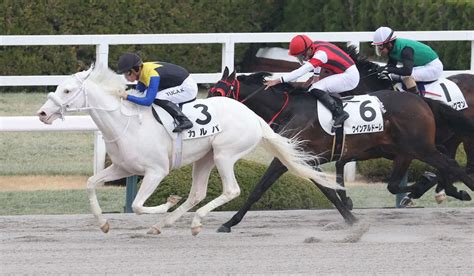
{"x": 64, "y": 105}
{"x": 233, "y": 90}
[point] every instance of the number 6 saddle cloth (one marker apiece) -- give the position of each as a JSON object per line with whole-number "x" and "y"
{"x": 365, "y": 115}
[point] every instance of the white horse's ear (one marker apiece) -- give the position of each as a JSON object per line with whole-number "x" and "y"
{"x": 91, "y": 68}
{"x": 226, "y": 73}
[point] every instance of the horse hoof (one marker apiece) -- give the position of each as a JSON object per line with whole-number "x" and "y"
{"x": 105, "y": 228}
{"x": 196, "y": 230}
{"x": 406, "y": 202}
{"x": 465, "y": 196}
{"x": 348, "y": 203}
{"x": 154, "y": 231}
{"x": 223, "y": 229}
{"x": 173, "y": 199}
{"x": 440, "y": 197}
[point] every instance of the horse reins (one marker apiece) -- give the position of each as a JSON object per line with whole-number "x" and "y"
{"x": 236, "y": 94}
{"x": 64, "y": 106}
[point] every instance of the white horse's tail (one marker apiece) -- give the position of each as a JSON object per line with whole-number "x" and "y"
{"x": 290, "y": 153}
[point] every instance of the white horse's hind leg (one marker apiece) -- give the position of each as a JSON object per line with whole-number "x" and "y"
{"x": 109, "y": 174}
{"x": 150, "y": 182}
{"x": 201, "y": 171}
{"x": 230, "y": 188}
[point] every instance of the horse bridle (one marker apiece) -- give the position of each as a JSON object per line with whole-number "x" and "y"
{"x": 64, "y": 106}
{"x": 234, "y": 93}
{"x": 234, "y": 90}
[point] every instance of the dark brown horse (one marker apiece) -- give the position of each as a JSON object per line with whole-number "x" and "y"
{"x": 402, "y": 140}
{"x": 446, "y": 136}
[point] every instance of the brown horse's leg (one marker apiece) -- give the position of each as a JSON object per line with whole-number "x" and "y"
{"x": 399, "y": 169}
{"x": 469, "y": 149}
{"x": 446, "y": 166}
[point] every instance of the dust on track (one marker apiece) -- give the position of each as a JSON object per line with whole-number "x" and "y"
{"x": 387, "y": 241}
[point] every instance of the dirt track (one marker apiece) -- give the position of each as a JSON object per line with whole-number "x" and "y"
{"x": 386, "y": 241}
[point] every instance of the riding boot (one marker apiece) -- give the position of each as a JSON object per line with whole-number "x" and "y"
{"x": 182, "y": 121}
{"x": 338, "y": 113}
{"x": 410, "y": 84}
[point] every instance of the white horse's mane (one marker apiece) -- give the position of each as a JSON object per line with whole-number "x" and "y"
{"x": 107, "y": 79}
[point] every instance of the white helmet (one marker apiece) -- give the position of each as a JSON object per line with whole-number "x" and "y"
{"x": 383, "y": 35}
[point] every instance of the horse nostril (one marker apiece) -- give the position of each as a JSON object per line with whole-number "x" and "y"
{"x": 42, "y": 113}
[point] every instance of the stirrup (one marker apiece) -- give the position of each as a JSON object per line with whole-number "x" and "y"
{"x": 183, "y": 126}
{"x": 344, "y": 116}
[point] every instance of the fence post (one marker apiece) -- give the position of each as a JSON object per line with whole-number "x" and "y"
{"x": 99, "y": 152}
{"x": 131, "y": 192}
{"x": 102, "y": 55}
{"x": 472, "y": 55}
{"x": 228, "y": 51}
{"x": 350, "y": 171}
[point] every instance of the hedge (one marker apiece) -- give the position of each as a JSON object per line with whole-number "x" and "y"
{"x": 289, "y": 192}
{"x": 368, "y": 15}
{"x": 54, "y": 17}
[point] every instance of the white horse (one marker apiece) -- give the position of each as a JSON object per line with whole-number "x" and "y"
{"x": 138, "y": 145}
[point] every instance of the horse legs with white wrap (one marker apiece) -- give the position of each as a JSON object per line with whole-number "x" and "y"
{"x": 201, "y": 171}
{"x": 109, "y": 174}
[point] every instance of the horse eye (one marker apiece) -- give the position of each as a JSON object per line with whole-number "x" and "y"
{"x": 66, "y": 91}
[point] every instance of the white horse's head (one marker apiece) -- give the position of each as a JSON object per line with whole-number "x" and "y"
{"x": 71, "y": 95}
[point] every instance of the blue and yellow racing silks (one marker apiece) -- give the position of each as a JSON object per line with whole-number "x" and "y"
{"x": 157, "y": 76}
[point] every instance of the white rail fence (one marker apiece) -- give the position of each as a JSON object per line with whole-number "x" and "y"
{"x": 227, "y": 40}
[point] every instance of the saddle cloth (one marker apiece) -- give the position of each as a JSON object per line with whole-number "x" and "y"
{"x": 203, "y": 116}
{"x": 445, "y": 91}
{"x": 365, "y": 115}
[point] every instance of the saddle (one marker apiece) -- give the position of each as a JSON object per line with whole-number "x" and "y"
{"x": 442, "y": 90}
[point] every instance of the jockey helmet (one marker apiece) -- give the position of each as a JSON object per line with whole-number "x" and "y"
{"x": 127, "y": 61}
{"x": 383, "y": 35}
{"x": 300, "y": 44}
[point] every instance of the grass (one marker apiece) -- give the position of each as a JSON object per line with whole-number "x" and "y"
{"x": 113, "y": 200}
{"x": 59, "y": 202}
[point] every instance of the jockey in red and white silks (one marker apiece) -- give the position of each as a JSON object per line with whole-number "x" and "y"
{"x": 314, "y": 56}
{"x": 346, "y": 76}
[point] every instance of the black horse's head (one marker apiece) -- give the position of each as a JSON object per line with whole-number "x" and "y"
{"x": 244, "y": 87}
{"x": 369, "y": 80}
{"x": 225, "y": 86}
{"x": 230, "y": 85}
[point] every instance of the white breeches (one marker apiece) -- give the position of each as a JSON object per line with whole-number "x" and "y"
{"x": 339, "y": 83}
{"x": 182, "y": 93}
{"x": 429, "y": 72}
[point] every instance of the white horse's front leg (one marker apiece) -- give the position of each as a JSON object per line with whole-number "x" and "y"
{"x": 201, "y": 171}
{"x": 109, "y": 174}
{"x": 150, "y": 182}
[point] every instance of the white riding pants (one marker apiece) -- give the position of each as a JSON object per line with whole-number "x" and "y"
{"x": 338, "y": 83}
{"x": 429, "y": 72}
{"x": 182, "y": 93}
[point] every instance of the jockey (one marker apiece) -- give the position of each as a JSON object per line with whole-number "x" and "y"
{"x": 313, "y": 56}
{"x": 420, "y": 62}
{"x": 165, "y": 84}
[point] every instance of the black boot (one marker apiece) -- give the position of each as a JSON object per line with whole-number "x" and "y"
{"x": 181, "y": 119}
{"x": 413, "y": 90}
{"x": 338, "y": 113}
